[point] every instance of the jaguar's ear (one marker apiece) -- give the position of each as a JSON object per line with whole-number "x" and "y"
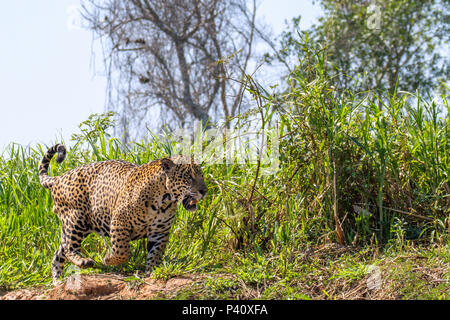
{"x": 167, "y": 165}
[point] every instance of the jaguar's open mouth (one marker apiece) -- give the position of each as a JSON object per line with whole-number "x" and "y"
{"x": 189, "y": 203}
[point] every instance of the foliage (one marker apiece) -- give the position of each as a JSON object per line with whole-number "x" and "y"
{"x": 351, "y": 165}
{"x": 388, "y": 44}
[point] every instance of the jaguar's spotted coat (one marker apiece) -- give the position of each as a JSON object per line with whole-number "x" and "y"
{"x": 121, "y": 200}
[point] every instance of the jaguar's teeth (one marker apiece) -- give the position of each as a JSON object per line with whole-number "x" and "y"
{"x": 193, "y": 202}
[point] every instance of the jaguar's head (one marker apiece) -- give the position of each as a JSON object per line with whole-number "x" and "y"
{"x": 185, "y": 180}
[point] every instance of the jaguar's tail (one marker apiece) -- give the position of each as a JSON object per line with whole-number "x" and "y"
{"x": 44, "y": 178}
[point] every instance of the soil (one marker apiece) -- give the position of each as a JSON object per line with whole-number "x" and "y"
{"x": 104, "y": 287}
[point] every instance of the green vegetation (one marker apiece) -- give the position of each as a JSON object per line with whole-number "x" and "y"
{"x": 394, "y": 43}
{"x": 363, "y": 185}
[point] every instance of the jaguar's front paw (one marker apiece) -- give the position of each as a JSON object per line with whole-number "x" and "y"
{"x": 87, "y": 263}
{"x": 114, "y": 260}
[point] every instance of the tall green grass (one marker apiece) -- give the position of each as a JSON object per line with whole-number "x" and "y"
{"x": 354, "y": 168}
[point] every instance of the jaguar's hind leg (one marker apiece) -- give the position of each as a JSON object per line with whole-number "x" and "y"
{"x": 75, "y": 229}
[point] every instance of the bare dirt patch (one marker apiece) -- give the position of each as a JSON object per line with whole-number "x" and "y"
{"x": 104, "y": 287}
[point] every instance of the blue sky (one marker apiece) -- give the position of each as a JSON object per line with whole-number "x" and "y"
{"x": 50, "y": 81}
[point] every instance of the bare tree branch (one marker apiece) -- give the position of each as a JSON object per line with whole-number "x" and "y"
{"x": 179, "y": 57}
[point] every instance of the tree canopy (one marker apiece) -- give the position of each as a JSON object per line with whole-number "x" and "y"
{"x": 386, "y": 43}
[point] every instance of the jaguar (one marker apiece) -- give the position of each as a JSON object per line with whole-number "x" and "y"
{"x": 120, "y": 200}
